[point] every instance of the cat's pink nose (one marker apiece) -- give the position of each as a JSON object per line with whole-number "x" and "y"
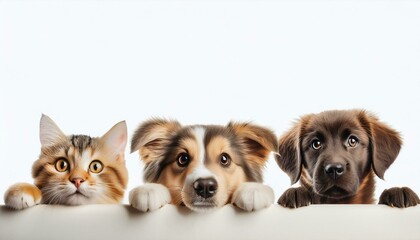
{"x": 77, "y": 182}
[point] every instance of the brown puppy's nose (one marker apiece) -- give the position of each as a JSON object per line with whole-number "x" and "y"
{"x": 205, "y": 187}
{"x": 77, "y": 182}
{"x": 334, "y": 170}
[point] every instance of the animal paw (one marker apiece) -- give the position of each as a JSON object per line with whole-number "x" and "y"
{"x": 399, "y": 197}
{"x": 295, "y": 198}
{"x": 149, "y": 197}
{"x": 22, "y": 195}
{"x": 253, "y": 196}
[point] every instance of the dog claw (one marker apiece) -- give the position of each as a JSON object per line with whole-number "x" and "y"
{"x": 295, "y": 198}
{"x": 399, "y": 197}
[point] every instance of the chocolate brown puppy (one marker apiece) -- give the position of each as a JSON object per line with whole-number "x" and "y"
{"x": 335, "y": 155}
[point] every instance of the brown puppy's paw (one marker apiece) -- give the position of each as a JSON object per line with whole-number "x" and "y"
{"x": 295, "y": 197}
{"x": 399, "y": 197}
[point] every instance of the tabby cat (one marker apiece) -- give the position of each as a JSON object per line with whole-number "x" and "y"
{"x": 75, "y": 169}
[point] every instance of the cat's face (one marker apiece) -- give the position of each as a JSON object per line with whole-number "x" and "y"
{"x": 79, "y": 169}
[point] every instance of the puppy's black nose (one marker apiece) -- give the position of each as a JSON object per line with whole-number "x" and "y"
{"x": 205, "y": 187}
{"x": 334, "y": 170}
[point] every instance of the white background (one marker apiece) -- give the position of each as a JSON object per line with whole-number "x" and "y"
{"x": 90, "y": 64}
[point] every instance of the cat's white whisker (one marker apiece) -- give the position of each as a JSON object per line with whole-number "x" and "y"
{"x": 76, "y": 169}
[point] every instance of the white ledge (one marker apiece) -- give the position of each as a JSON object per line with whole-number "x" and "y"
{"x": 123, "y": 222}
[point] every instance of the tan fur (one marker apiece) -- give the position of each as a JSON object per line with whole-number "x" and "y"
{"x": 366, "y": 191}
{"x": 20, "y": 189}
{"x": 172, "y": 178}
{"x": 114, "y": 187}
{"x": 79, "y": 151}
{"x": 161, "y": 142}
{"x": 153, "y": 133}
{"x": 229, "y": 180}
{"x": 235, "y": 174}
{"x": 252, "y": 134}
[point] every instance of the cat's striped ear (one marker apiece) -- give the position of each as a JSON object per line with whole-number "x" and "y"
{"x": 116, "y": 138}
{"x": 49, "y": 132}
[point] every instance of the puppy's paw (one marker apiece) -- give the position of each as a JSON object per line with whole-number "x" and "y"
{"x": 295, "y": 198}
{"x": 399, "y": 197}
{"x": 22, "y": 195}
{"x": 149, "y": 197}
{"x": 253, "y": 196}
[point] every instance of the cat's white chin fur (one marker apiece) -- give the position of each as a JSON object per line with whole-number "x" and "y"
{"x": 78, "y": 200}
{"x": 149, "y": 197}
{"x": 21, "y": 201}
{"x": 253, "y": 196}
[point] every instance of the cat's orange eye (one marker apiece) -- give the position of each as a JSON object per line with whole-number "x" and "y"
{"x": 96, "y": 166}
{"x": 61, "y": 165}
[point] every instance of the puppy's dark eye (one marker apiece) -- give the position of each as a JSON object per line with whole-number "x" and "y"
{"x": 183, "y": 159}
{"x": 225, "y": 160}
{"x": 353, "y": 141}
{"x": 316, "y": 144}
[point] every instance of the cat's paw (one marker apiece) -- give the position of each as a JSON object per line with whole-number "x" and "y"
{"x": 399, "y": 197}
{"x": 295, "y": 198}
{"x": 253, "y": 196}
{"x": 22, "y": 195}
{"x": 149, "y": 197}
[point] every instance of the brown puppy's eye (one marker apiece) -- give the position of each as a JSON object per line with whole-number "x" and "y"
{"x": 96, "y": 166}
{"x": 352, "y": 141}
{"x": 225, "y": 160}
{"x": 316, "y": 144}
{"x": 183, "y": 160}
{"x": 61, "y": 165}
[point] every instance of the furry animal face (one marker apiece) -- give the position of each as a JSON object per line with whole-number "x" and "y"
{"x": 79, "y": 169}
{"x": 202, "y": 165}
{"x": 336, "y": 151}
{"x": 333, "y": 153}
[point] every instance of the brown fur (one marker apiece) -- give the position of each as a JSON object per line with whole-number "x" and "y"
{"x": 77, "y": 184}
{"x": 229, "y": 178}
{"x": 377, "y": 148}
{"x": 113, "y": 179}
{"x": 161, "y": 142}
{"x": 399, "y": 197}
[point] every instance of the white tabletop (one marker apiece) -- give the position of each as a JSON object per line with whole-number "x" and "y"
{"x": 123, "y": 222}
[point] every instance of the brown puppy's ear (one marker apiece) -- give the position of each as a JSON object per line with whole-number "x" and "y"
{"x": 258, "y": 142}
{"x": 152, "y": 137}
{"x": 385, "y": 142}
{"x": 289, "y": 158}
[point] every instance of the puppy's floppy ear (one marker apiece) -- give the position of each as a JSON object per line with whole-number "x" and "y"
{"x": 289, "y": 158}
{"x": 258, "y": 142}
{"x": 152, "y": 137}
{"x": 385, "y": 142}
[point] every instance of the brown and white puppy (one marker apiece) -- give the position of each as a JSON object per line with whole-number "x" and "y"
{"x": 336, "y": 154}
{"x": 202, "y": 166}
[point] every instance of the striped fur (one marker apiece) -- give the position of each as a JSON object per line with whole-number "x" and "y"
{"x": 79, "y": 151}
